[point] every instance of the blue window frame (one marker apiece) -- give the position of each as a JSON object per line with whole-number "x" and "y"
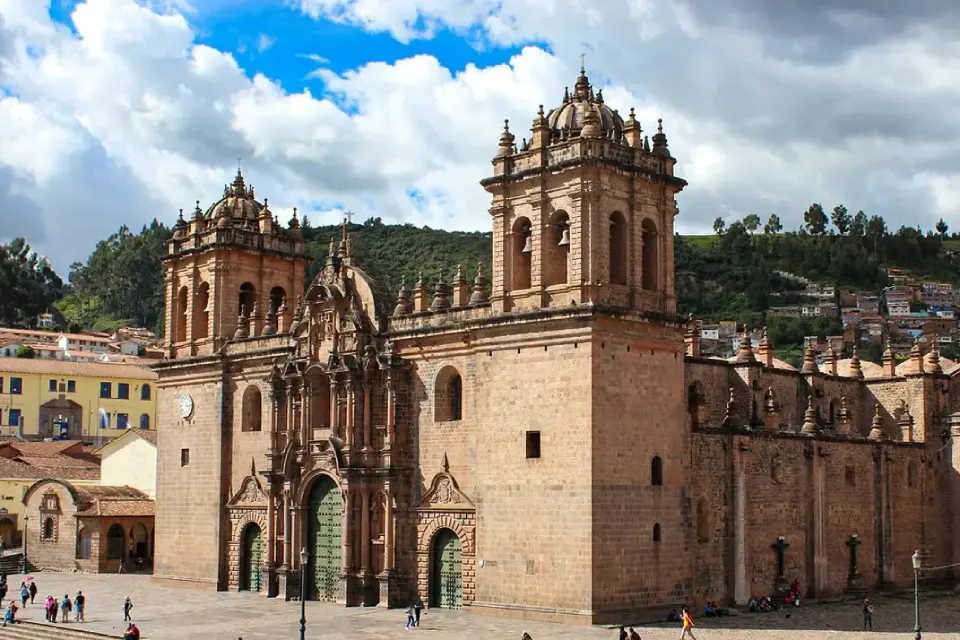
{"x": 13, "y": 417}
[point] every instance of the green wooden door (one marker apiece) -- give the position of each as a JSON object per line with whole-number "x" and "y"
{"x": 447, "y": 577}
{"x": 252, "y": 554}
{"x": 325, "y": 536}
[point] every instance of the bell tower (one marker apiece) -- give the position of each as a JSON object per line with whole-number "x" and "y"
{"x": 230, "y": 273}
{"x": 583, "y": 210}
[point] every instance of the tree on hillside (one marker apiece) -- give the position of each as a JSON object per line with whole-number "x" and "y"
{"x": 858, "y": 225}
{"x": 25, "y": 351}
{"x": 751, "y": 222}
{"x": 719, "y": 226}
{"x": 773, "y": 224}
{"x": 28, "y": 284}
{"x": 840, "y": 218}
{"x": 942, "y": 228}
{"x": 815, "y": 220}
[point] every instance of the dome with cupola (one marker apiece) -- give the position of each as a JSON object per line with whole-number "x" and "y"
{"x": 238, "y": 203}
{"x": 583, "y": 108}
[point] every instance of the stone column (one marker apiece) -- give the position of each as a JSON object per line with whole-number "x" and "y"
{"x": 741, "y": 590}
{"x": 365, "y": 531}
{"x": 306, "y": 413}
{"x": 388, "y": 529}
{"x": 366, "y": 416}
{"x": 347, "y": 547}
{"x": 289, "y": 409}
{"x": 391, "y": 413}
{"x": 348, "y": 418}
{"x": 287, "y": 530}
{"x": 819, "y": 544}
{"x": 271, "y": 560}
{"x": 334, "y": 408}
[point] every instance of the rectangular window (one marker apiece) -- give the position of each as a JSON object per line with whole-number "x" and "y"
{"x": 1, "y": 385}
{"x": 13, "y": 417}
{"x": 123, "y": 391}
{"x": 121, "y": 421}
{"x": 106, "y": 389}
{"x": 184, "y": 457}
{"x": 71, "y": 386}
{"x": 53, "y": 385}
{"x": 533, "y": 444}
{"x": 16, "y": 386}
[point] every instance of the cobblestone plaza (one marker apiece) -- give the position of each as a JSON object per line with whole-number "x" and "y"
{"x": 164, "y": 612}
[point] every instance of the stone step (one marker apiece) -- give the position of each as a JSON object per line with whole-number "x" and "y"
{"x": 41, "y": 631}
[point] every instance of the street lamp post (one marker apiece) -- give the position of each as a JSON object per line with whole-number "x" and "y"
{"x": 304, "y": 558}
{"x": 916, "y": 594}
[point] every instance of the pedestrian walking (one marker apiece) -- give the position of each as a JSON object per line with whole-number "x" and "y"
{"x": 867, "y": 614}
{"x": 65, "y": 607}
{"x": 33, "y": 590}
{"x": 24, "y": 594}
{"x": 48, "y": 607}
{"x": 127, "y": 605}
{"x": 687, "y": 625}
{"x": 417, "y": 607}
{"x": 10, "y": 615}
{"x": 79, "y": 604}
{"x": 634, "y": 635}
{"x": 54, "y": 610}
{"x": 411, "y": 620}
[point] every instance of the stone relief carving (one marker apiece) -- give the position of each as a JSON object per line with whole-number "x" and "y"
{"x": 250, "y": 493}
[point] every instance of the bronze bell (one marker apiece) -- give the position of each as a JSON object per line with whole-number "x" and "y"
{"x": 564, "y": 237}
{"x": 527, "y": 244}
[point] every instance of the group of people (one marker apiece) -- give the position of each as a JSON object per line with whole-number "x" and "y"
{"x": 65, "y": 607}
{"x": 413, "y": 615}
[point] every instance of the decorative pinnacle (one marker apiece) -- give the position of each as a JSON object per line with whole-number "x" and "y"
{"x": 659, "y": 125}
{"x": 540, "y": 111}
{"x": 181, "y": 215}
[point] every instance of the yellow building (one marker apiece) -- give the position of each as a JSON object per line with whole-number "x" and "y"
{"x": 42, "y": 399}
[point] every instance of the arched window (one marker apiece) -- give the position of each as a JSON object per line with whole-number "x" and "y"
{"x": 278, "y": 297}
{"x": 49, "y": 529}
{"x": 116, "y": 542}
{"x": 248, "y": 295}
{"x": 656, "y": 471}
{"x": 201, "y": 312}
{"x": 145, "y": 421}
{"x": 181, "y": 316}
{"x": 618, "y": 248}
{"x": 656, "y": 532}
{"x": 145, "y": 392}
{"x": 651, "y": 255}
{"x": 448, "y": 395}
{"x": 557, "y": 249}
{"x": 522, "y": 251}
{"x": 833, "y": 412}
{"x": 703, "y": 521}
{"x": 850, "y": 475}
{"x": 251, "y": 408}
{"x": 83, "y": 544}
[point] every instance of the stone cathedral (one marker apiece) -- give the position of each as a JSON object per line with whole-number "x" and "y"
{"x": 543, "y": 441}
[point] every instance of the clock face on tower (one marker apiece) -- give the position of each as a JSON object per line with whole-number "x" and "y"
{"x": 185, "y": 404}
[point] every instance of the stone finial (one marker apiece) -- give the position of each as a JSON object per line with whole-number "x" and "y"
{"x": 591, "y": 124}
{"x": 831, "y": 359}
{"x": 916, "y": 357}
{"x": 660, "y": 140}
{"x": 243, "y": 321}
{"x": 506, "y": 141}
{"x": 809, "y": 418}
{"x": 404, "y": 305}
{"x": 420, "y": 295}
{"x": 270, "y": 322}
{"x": 844, "y": 418}
{"x": 730, "y": 413}
{"x": 691, "y": 337}
{"x": 461, "y": 292}
{"x": 932, "y": 360}
{"x": 480, "y": 293}
{"x": 876, "y": 426}
{"x": 253, "y": 319}
{"x": 855, "y": 369}
{"x": 889, "y": 362}
{"x": 441, "y": 296}
{"x": 445, "y": 463}
{"x": 809, "y": 360}
{"x": 541, "y": 131}
{"x": 771, "y": 410}
{"x": 906, "y": 425}
{"x": 745, "y": 351}
{"x": 632, "y": 132}
{"x": 766, "y": 353}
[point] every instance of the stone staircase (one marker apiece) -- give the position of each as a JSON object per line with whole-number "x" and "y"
{"x": 42, "y": 631}
{"x": 12, "y": 563}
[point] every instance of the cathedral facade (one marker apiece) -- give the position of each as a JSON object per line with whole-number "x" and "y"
{"x": 546, "y": 441}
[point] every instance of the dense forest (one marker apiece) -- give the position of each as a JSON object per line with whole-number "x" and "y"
{"x": 736, "y": 274}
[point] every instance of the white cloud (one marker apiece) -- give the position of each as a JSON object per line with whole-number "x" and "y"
{"x": 264, "y": 42}
{"x": 99, "y": 129}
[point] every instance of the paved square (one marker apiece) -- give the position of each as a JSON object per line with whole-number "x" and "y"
{"x": 164, "y": 612}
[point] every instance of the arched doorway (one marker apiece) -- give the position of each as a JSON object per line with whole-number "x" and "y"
{"x": 446, "y": 575}
{"x": 324, "y": 537}
{"x": 251, "y": 555}
{"x": 139, "y": 535}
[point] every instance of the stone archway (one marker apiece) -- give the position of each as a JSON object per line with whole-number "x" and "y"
{"x": 324, "y": 538}
{"x": 446, "y": 570}
{"x": 251, "y": 558}
{"x": 61, "y": 417}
